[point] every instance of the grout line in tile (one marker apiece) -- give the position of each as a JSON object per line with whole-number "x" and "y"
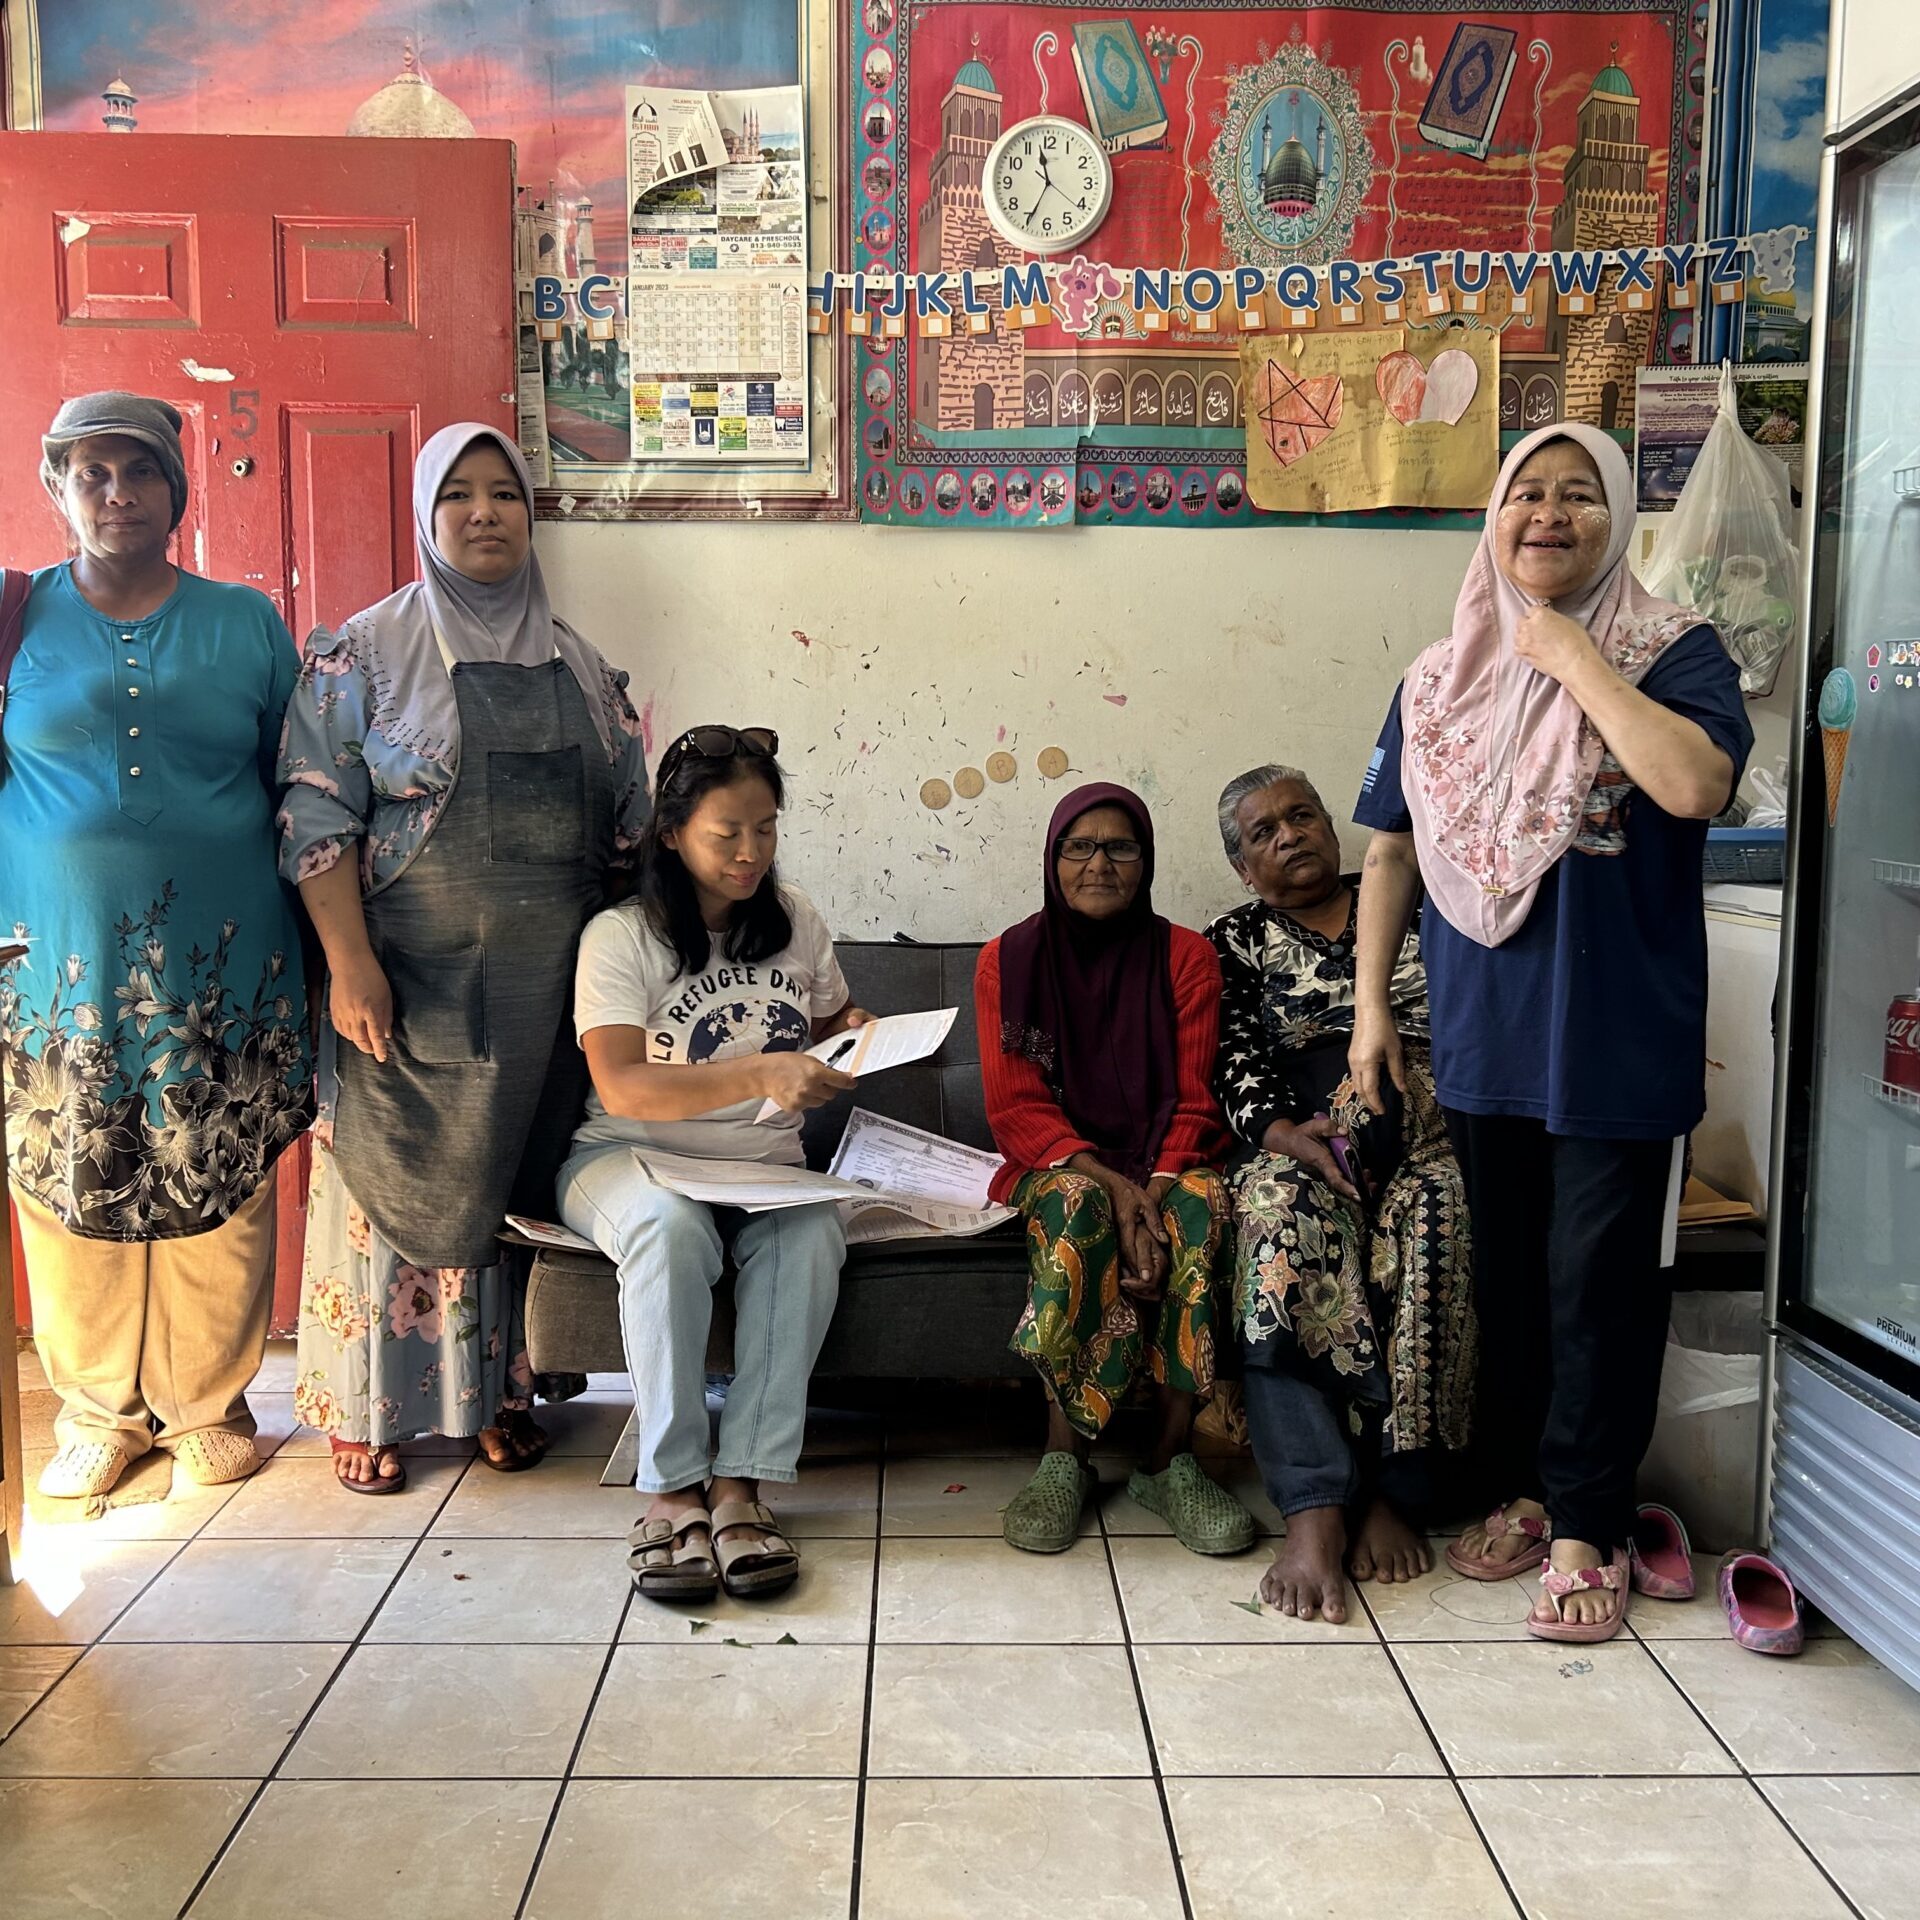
{"x": 866, "y": 1704}
{"x": 319, "y": 1700}
{"x": 1726, "y": 1746}
{"x": 573, "y": 1757}
{"x": 1452, "y": 1778}
{"x": 1146, "y": 1727}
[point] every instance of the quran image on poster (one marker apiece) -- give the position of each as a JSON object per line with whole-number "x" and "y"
{"x": 1245, "y": 135}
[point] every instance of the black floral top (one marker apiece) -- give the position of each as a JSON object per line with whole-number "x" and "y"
{"x": 1286, "y": 1013}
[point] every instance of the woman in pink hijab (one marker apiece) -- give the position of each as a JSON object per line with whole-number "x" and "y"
{"x": 1547, "y": 772}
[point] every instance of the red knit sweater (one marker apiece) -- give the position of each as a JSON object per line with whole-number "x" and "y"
{"x": 1028, "y": 1125}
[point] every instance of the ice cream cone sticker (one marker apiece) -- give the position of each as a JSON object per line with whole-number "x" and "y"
{"x": 1838, "y": 703}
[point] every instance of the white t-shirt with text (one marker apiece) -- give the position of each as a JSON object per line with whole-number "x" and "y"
{"x": 627, "y": 977}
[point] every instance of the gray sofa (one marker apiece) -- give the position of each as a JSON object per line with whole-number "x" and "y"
{"x": 928, "y": 1309}
{"x": 909, "y": 1309}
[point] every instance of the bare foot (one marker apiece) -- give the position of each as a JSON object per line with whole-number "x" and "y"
{"x": 1388, "y": 1549}
{"x": 356, "y": 1462}
{"x": 1474, "y": 1544}
{"x": 1588, "y": 1605}
{"x": 1306, "y": 1576}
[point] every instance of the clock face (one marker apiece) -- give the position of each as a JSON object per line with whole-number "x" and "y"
{"x": 1047, "y": 186}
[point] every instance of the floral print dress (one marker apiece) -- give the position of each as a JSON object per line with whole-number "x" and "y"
{"x": 389, "y": 1350}
{"x": 153, "y": 1037}
{"x": 1372, "y": 1303}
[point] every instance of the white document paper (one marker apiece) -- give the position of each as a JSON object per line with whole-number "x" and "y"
{"x": 549, "y": 1235}
{"x": 891, "y": 1041}
{"x": 755, "y": 1186}
{"x": 669, "y": 134}
{"x": 918, "y": 1184}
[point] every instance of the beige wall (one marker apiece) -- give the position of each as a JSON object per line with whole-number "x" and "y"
{"x": 1168, "y": 661}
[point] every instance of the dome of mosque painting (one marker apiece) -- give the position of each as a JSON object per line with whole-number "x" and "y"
{"x": 975, "y": 75}
{"x": 1614, "y": 80}
{"x": 409, "y": 107}
{"x": 1291, "y": 182}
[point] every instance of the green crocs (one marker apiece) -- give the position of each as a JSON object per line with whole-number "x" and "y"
{"x": 1204, "y": 1516}
{"x": 1044, "y": 1516}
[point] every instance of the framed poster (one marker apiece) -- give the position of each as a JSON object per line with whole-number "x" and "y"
{"x": 1238, "y": 132}
{"x": 555, "y": 84}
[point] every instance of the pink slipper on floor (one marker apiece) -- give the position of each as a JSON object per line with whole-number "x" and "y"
{"x": 1661, "y": 1555}
{"x": 1489, "y": 1566}
{"x": 1761, "y": 1605}
{"x": 1615, "y": 1577}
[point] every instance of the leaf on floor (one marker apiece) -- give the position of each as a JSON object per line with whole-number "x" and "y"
{"x": 698, "y": 1626}
{"x": 786, "y": 1640}
{"x": 1248, "y": 1606}
{"x": 748, "y": 1644}
{"x": 959, "y": 1486}
{"x": 463, "y": 1576}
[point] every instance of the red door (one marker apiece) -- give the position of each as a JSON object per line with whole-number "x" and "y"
{"x": 314, "y": 308}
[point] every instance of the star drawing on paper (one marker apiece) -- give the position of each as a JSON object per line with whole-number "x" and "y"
{"x": 1297, "y": 413}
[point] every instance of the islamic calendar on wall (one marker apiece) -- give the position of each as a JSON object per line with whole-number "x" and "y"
{"x": 1244, "y": 134}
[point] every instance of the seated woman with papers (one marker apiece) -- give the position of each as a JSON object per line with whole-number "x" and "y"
{"x": 1107, "y": 1018}
{"x": 694, "y": 1001}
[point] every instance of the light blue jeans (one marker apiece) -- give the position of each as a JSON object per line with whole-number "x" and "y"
{"x": 670, "y": 1251}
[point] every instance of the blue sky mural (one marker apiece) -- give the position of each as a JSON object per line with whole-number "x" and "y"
{"x": 552, "y": 81}
{"x": 1789, "y": 100}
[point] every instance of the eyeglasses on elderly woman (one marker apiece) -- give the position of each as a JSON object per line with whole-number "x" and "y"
{"x": 1080, "y": 849}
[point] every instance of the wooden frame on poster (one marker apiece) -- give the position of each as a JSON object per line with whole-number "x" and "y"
{"x": 821, "y": 490}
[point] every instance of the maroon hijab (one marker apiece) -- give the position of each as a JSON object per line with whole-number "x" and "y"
{"x": 1090, "y": 1003}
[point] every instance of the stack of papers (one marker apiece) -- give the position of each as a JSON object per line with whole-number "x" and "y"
{"x": 915, "y": 1183}
{"x": 890, "y": 1181}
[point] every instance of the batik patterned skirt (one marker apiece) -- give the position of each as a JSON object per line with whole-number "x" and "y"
{"x": 1374, "y": 1305}
{"x": 1092, "y": 1341}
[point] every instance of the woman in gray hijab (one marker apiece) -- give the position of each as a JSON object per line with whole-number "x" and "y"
{"x": 153, "y": 1054}
{"x": 461, "y": 771}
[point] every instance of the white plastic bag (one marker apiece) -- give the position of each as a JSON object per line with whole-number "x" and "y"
{"x": 1727, "y": 549}
{"x": 1769, "y": 807}
{"x": 1705, "y": 1455}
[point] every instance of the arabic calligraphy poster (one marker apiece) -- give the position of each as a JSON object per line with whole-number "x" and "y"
{"x": 1256, "y": 135}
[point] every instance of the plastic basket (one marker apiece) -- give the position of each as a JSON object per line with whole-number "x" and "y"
{"x": 1748, "y": 856}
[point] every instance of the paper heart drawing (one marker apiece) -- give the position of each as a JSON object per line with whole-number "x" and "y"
{"x": 1297, "y": 414}
{"x": 1440, "y": 392}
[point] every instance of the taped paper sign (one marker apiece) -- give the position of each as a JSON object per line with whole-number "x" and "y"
{"x": 1344, "y": 422}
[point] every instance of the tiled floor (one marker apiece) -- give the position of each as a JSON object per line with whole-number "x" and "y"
{"x": 281, "y": 1700}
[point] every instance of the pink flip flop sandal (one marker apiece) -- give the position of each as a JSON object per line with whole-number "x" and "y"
{"x": 1661, "y": 1555}
{"x": 1761, "y": 1605}
{"x": 1615, "y": 1577}
{"x": 1486, "y": 1566}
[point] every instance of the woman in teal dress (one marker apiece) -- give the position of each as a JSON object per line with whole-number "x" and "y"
{"x": 461, "y": 772}
{"x": 152, "y": 1039}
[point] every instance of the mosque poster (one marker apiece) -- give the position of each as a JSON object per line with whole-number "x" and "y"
{"x": 1252, "y": 136}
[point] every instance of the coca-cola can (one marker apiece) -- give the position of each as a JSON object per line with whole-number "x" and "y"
{"x": 1902, "y": 1068}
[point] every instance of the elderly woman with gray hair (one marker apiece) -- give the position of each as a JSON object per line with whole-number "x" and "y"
{"x": 152, "y": 1039}
{"x": 1351, "y": 1255}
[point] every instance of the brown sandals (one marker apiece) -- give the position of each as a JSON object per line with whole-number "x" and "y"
{"x": 673, "y": 1559}
{"x": 753, "y": 1569}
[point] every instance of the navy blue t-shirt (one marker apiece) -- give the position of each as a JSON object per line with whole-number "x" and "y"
{"x": 1593, "y": 1016}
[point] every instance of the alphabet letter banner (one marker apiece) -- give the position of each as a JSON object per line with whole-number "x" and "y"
{"x": 1407, "y": 177}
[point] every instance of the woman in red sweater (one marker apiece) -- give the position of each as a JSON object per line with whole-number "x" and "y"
{"x": 1098, "y": 1094}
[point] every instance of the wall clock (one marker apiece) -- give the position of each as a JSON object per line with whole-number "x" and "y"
{"x": 1048, "y": 184}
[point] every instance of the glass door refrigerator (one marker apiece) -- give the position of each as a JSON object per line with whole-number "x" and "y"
{"x": 1842, "y": 1476}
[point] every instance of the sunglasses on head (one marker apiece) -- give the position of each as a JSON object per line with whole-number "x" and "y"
{"x": 718, "y": 743}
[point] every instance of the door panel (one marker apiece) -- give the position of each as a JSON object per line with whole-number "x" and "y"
{"x": 314, "y": 308}
{"x": 350, "y": 473}
{"x": 261, "y": 282}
